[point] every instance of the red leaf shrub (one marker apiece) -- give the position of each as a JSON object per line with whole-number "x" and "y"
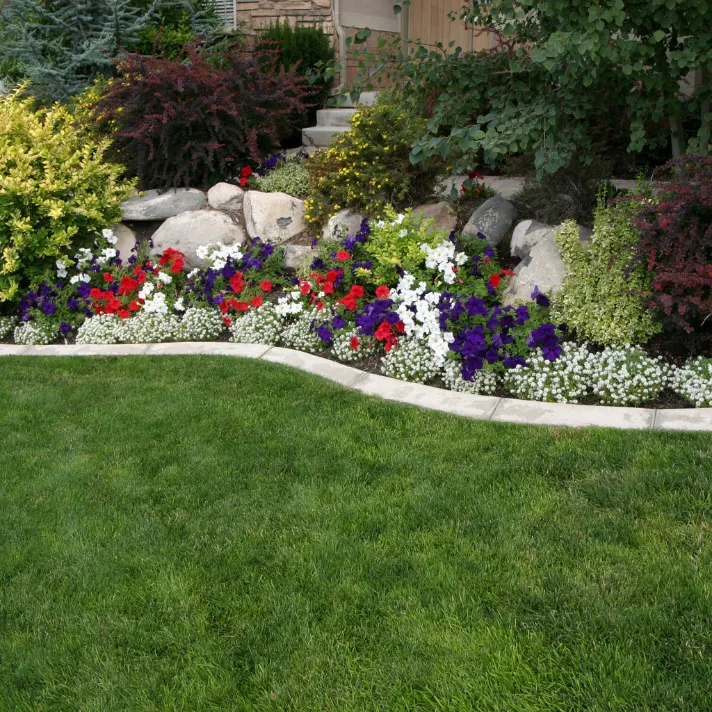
{"x": 676, "y": 243}
{"x": 193, "y": 122}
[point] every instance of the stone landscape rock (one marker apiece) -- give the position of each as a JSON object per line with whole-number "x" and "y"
{"x": 125, "y": 240}
{"x": 442, "y": 214}
{"x": 297, "y": 255}
{"x": 345, "y": 222}
{"x": 542, "y": 268}
{"x": 226, "y": 196}
{"x": 493, "y": 219}
{"x": 274, "y": 217}
{"x": 159, "y": 206}
{"x": 188, "y": 231}
{"x": 526, "y": 234}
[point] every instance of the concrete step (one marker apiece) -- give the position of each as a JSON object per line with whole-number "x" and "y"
{"x": 367, "y": 98}
{"x": 322, "y": 135}
{"x": 334, "y": 117}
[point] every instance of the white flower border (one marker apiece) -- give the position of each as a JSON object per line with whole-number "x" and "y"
{"x": 508, "y": 410}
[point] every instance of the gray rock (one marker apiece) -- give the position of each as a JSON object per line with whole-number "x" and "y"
{"x": 295, "y": 256}
{"x": 125, "y": 240}
{"x": 226, "y": 196}
{"x": 441, "y": 213}
{"x": 188, "y": 231}
{"x": 159, "y": 206}
{"x": 527, "y": 234}
{"x": 345, "y": 222}
{"x": 493, "y": 219}
{"x": 542, "y": 268}
{"x": 275, "y": 217}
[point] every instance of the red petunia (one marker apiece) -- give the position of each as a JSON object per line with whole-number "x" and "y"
{"x": 243, "y": 182}
{"x": 141, "y": 277}
{"x": 108, "y": 277}
{"x": 508, "y": 272}
{"x": 382, "y": 292}
{"x": 256, "y": 301}
{"x": 237, "y": 282}
{"x": 241, "y": 306}
{"x": 305, "y": 288}
{"x": 127, "y": 286}
{"x": 224, "y": 306}
{"x": 123, "y": 313}
{"x": 349, "y": 301}
{"x": 177, "y": 266}
{"x": 328, "y": 287}
{"x": 354, "y": 343}
{"x": 383, "y": 331}
{"x": 319, "y": 306}
{"x": 400, "y": 327}
{"x": 342, "y": 256}
{"x": 227, "y": 320}
{"x": 134, "y": 306}
{"x": 494, "y": 280}
{"x": 246, "y": 172}
{"x": 96, "y": 293}
{"x": 266, "y": 286}
{"x": 332, "y": 275}
{"x": 356, "y": 291}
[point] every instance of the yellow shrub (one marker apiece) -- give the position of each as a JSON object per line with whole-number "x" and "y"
{"x": 55, "y": 190}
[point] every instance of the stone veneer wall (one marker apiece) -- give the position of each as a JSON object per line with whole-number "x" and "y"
{"x": 253, "y": 16}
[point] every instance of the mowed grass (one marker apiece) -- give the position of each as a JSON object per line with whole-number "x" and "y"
{"x": 206, "y": 533}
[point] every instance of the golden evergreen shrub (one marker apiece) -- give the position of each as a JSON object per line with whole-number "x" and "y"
{"x": 55, "y": 189}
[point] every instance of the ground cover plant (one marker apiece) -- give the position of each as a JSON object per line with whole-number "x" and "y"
{"x": 396, "y": 559}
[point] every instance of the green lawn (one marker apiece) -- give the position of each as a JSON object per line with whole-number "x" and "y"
{"x": 206, "y": 533}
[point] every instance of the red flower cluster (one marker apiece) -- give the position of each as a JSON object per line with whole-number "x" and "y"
{"x": 476, "y": 188}
{"x": 175, "y": 260}
{"x": 245, "y": 174}
{"x": 350, "y": 301}
{"x": 317, "y": 283}
{"x": 389, "y": 334}
{"x": 496, "y": 278}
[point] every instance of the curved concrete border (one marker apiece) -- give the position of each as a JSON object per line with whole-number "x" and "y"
{"x": 505, "y": 410}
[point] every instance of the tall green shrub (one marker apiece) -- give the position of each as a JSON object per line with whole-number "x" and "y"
{"x": 602, "y": 300}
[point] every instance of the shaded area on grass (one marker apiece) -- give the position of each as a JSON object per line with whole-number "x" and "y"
{"x": 207, "y": 533}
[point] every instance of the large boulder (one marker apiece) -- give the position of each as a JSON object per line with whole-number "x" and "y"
{"x": 442, "y": 214}
{"x": 274, "y": 217}
{"x": 188, "y": 231}
{"x": 159, "y": 206}
{"x": 295, "y": 256}
{"x": 527, "y": 234}
{"x": 345, "y": 222}
{"x": 493, "y": 219}
{"x": 125, "y": 240}
{"x": 542, "y": 268}
{"x": 226, "y": 196}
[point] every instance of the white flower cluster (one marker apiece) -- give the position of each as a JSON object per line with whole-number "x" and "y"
{"x": 485, "y": 381}
{"x": 109, "y": 236}
{"x": 290, "y": 304}
{"x": 412, "y": 360}
{"x": 562, "y": 381}
{"x": 626, "y": 375}
{"x": 217, "y": 256}
{"x": 32, "y": 333}
{"x": 151, "y": 327}
{"x": 342, "y": 349}
{"x": 201, "y": 324}
{"x": 397, "y": 221}
{"x": 299, "y": 336}
{"x": 101, "y": 329}
{"x": 693, "y": 381}
{"x": 418, "y": 311}
{"x": 258, "y": 326}
{"x": 7, "y": 324}
{"x": 444, "y": 259}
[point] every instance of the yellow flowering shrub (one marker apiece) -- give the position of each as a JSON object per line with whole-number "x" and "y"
{"x": 368, "y": 167}
{"x": 55, "y": 189}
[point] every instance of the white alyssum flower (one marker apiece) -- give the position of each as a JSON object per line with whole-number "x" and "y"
{"x": 443, "y": 258}
{"x": 300, "y": 336}
{"x": 61, "y": 269}
{"x": 343, "y": 350}
{"x": 411, "y": 360}
{"x": 417, "y": 309}
{"x": 109, "y": 236}
{"x": 290, "y": 305}
{"x": 257, "y": 326}
{"x": 626, "y": 375}
{"x": 693, "y": 381}
{"x": 151, "y": 328}
{"x": 565, "y": 380}
{"x": 7, "y": 324}
{"x": 101, "y": 329}
{"x": 218, "y": 255}
{"x": 31, "y": 333}
{"x": 201, "y": 324}
{"x": 485, "y": 381}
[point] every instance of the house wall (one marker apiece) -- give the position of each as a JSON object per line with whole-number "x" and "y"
{"x": 254, "y": 16}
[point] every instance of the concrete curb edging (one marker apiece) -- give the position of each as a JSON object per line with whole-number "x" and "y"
{"x": 504, "y": 410}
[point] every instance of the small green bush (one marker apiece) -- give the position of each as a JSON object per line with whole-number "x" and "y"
{"x": 56, "y": 187}
{"x": 368, "y": 167}
{"x": 291, "y": 177}
{"x": 602, "y": 300}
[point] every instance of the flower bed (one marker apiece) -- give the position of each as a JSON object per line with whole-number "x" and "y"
{"x": 415, "y": 303}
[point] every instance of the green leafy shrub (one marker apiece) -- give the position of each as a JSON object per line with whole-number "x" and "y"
{"x": 56, "y": 188}
{"x": 602, "y": 299}
{"x": 569, "y": 194}
{"x": 368, "y": 168}
{"x": 291, "y": 177}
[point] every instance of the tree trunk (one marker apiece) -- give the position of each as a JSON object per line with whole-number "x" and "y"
{"x": 705, "y": 114}
{"x": 677, "y": 136}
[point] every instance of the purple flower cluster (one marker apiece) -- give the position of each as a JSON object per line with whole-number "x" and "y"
{"x": 374, "y": 313}
{"x": 546, "y": 339}
{"x": 270, "y": 163}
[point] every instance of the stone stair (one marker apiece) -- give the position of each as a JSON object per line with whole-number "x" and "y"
{"x": 329, "y": 124}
